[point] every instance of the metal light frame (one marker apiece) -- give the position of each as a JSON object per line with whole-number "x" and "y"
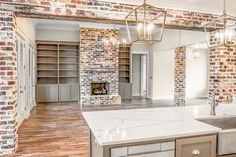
{"x": 152, "y": 9}
{"x": 220, "y": 24}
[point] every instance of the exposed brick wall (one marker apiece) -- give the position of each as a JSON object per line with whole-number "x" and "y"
{"x": 98, "y": 63}
{"x": 180, "y": 76}
{"x": 93, "y": 10}
{"x": 222, "y": 68}
{"x": 8, "y": 104}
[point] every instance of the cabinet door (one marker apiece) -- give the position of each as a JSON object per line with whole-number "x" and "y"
{"x": 74, "y": 93}
{"x": 52, "y": 93}
{"x": 41, "y": 93}
{"x": 47, "y": 93}
{"x": 127, "y": 89}
{"x": 196, "y": 147}
{"x": 64, "y": 93}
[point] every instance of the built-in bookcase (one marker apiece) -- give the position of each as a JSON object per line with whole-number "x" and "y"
{"x": 124, "y": 63}
{"x": 47, "y": 63}
{"x": 57, "y": 67}
{"x": 68, "y": 64}
{"x": 125, "y": 85}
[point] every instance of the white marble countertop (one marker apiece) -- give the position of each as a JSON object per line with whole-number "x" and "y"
{"x": 139, "y": 125}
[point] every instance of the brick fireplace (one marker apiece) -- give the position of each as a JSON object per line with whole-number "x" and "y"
{"x": 98, "y": 67}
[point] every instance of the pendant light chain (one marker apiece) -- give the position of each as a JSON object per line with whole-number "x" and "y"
{"x": 224, "y": 6}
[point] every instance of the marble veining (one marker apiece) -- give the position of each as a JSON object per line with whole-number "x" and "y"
{"x": 136, "y": 125}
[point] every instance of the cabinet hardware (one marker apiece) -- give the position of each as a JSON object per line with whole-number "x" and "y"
{"x": 196, "y": 152}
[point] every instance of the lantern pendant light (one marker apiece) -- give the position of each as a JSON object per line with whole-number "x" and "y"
{"x": 148, "y": 20}
{"x": 221, "y": 31}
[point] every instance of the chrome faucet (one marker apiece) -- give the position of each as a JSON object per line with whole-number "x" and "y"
{"x": 215, "y": 102}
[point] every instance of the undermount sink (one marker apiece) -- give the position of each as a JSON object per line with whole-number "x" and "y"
{"x": 226, "y": 137}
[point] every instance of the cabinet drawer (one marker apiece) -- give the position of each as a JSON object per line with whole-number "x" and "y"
{"x": 196, "y": 147}
{"x": 158, "y": 154}
{"x": 165, "y": 146}
{"x": 144, "y": 148}
{"x": 118, "y": 152}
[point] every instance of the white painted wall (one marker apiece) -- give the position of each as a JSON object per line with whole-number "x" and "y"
{"x": 57, "y": 35}
{"x": 26, "y": 35}
{"x": 163, "y": 75}
{"x": 136, "y": 74}
{"x": 162, "y": 64}
{"x": 197, "y": 74}
{"x": 27, "y": 27}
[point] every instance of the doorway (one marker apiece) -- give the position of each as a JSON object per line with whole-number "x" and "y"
{"x": 139, "y": 75}
{"x": 21, "y": 85}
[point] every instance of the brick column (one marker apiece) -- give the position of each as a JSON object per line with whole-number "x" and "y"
{"x": 180, "y": 76}
{"x": 8, "y": 104}
{"x": 222, "y": 69}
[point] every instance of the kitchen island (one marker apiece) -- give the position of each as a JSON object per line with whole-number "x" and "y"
{"x": 155, "y": 132}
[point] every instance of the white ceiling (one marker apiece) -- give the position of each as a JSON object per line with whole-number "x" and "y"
{"x": 206, "y": 6}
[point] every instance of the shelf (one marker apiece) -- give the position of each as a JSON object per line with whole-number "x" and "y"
{"x": 47, "y": 76}
{"x": 124, "y": 70}
{"x": 47, "y": 56}
{"x": 124, "y": 51}
{"x": 68, "y": 76}
{"x": 68, "y": 63}
{"x": 123, "y": 63}
{"x": 47, "y": 69}
{"x": 68, "y": 70}
{"x": 69, "y": 50}
{"x": 47, "y": 62}
{"x": 124, "y": 57}
{"x": 124, "y": 76}
{"x": 46, "y": 49}
{"x": 68, "y": 56}
{"x": 57, "y": 59}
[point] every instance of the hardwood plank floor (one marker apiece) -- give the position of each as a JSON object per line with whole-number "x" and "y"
{"x": 59, "y": 130}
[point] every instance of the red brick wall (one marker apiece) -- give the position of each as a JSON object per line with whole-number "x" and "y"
{"x": 87, "y": 10}
{"x": 222, "y": 70}
{"x": 180, "y": 76}
{"x": 8, "y": 104}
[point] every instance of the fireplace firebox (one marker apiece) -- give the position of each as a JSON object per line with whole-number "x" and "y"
{"x": 99, "y": 88}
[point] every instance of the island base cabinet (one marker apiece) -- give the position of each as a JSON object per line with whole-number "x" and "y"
{"x": 204, "y": 146}
{"x": 144, "y": 149}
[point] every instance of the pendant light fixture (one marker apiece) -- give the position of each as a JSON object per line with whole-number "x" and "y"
{"x": 111, "y": 41}
{"x": 148, "y": 20}
{"x": 221, "y": 31}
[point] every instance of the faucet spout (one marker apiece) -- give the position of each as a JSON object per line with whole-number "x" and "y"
{"x": 215, "y": 102}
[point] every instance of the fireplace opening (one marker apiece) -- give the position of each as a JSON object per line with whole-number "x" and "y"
{"x": 99, "y": 88}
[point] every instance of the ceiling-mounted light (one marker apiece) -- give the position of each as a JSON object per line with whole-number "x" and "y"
{"x": 147, "y": 18}
{"x": 221, "y": 31}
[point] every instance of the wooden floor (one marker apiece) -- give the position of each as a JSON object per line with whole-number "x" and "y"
{"x": 59, "y": 130}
